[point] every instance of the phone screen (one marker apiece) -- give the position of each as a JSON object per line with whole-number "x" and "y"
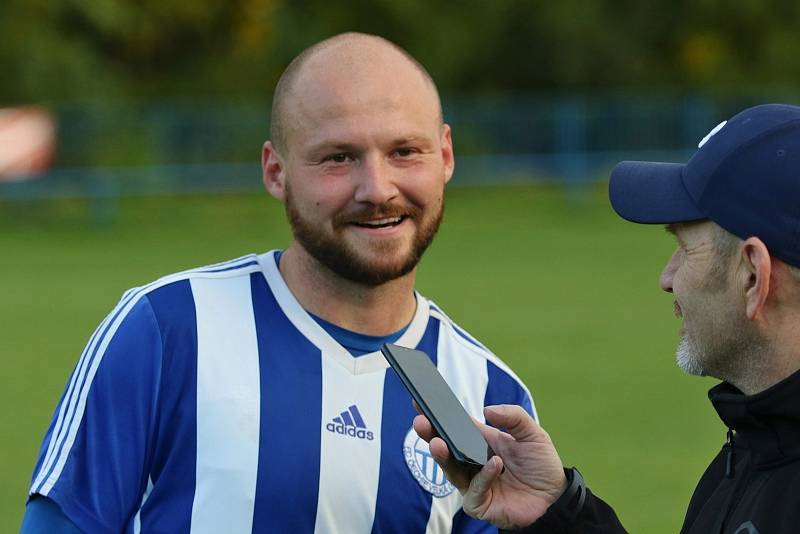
{"x": 438, "y": 403}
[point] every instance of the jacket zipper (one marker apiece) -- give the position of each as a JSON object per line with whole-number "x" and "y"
{"x": 730, "y": 461}
{"x": 739, "y": 488}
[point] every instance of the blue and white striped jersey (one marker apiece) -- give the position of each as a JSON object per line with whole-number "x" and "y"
{"x": 210, "y": 401}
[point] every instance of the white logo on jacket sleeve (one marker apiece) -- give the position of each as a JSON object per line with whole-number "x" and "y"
{"x": 423, "y": 467}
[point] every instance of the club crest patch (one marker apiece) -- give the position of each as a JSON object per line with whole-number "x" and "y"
{"x": 423, "y": 467}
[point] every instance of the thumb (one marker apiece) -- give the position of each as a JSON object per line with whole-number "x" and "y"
{"x": 515, "y": 420}
{"x": 476, "y": 498}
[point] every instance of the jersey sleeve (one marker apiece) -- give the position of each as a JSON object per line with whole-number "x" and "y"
{"x": 505, "y": 388}
{"x": 94, "y": 458}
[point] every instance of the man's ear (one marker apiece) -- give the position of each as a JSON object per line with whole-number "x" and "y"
{"x": 273, "y": 171}
{"x": 447, "y": 152}
{"x": 758, "y": 270}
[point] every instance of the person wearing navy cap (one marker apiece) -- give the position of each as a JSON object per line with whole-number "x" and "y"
{"x": 734, "y": 209}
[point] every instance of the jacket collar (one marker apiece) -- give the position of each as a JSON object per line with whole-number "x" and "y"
{"x": 768, "y": 422}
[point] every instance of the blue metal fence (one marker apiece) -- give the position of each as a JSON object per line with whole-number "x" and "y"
{"x": 108, "y": 151}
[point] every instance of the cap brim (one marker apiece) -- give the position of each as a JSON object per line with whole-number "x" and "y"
{"x": 651, "y": 193}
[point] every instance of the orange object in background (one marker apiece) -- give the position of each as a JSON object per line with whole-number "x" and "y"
{"x": 27, "y": 142}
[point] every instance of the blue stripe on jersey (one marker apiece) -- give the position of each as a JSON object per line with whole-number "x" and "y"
{"x": 291, "y": 420}
{"x": 503, "y": 389}
{"x": 173, "y": 464}
{"x": 398, "y": 493}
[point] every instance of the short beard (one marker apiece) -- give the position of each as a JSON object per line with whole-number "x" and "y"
{"x": 735, "y": 355}
{"x": 340, "y": 258}
{"x": 688, "y": 358}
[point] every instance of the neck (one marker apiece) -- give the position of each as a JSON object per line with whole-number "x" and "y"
{"x": 775, "y": 357}
{"x": 376, "y": 311}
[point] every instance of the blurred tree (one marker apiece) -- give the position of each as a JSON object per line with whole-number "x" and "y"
{"x": 70, "y": 49}
{"x": 120, "y": 49}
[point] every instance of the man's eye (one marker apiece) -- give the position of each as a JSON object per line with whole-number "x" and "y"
{"x": 338, "y": 158}
{"x": 404, "y": 152}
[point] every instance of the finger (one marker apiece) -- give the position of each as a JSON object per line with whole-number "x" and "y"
{"x": 423, "y": 428}
{"x": 515, "y": 420}
{"x": 416, "y": 406}
{"x": 457, "y": 474}
{"x": 439, "y": 449}
{"x": 481, "y": 483}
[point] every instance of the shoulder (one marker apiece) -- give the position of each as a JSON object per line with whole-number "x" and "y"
{"x": 504, "y": 386}
{"x": 467, "y": 342}
{"x": 236, "y": 268}
{"x": 165, "y": 305}
{"x": 172, "y": 292}
{"x": 449, "y": 328}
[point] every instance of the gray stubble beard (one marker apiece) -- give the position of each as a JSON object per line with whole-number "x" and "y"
{"x": 739, "y": 359}
{"x": 688, "y": 358}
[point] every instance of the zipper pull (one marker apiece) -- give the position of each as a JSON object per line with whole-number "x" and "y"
{"x": 730, "y": 464}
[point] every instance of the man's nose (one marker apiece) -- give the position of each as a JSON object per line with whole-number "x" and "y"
{"x": 375, "y": 181}
{"x": 668, "y": 274}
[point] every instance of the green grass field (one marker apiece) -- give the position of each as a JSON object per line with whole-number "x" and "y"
{"x": 551, "y": 280}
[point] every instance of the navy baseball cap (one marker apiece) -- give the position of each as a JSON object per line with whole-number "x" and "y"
{"x": 745, "y": 176}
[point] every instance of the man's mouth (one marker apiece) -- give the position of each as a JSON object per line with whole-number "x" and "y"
{"x": 385, "y": 222}
{"x": 676, "y": 308}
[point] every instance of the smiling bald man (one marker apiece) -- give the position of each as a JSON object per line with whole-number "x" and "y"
{"x": 251, "y": 395}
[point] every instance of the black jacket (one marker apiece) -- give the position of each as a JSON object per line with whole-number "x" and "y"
{"x": 751, "y": 487}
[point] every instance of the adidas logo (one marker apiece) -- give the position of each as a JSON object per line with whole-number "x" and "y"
{"x": 350, "y": 423}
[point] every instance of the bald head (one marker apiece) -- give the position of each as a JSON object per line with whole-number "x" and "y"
{"x": 356, "y": 57}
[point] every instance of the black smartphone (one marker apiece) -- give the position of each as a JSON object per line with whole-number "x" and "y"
{"x": 438, "y": 403}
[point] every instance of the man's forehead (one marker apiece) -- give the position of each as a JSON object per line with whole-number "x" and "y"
{"x": 356, "y": 132}
{"x": 335, "y": 92}
{"x": 327, "y": 82}
{"x": 351, "y": 99}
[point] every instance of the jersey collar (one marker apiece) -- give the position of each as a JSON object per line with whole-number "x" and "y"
{"x": 317, "y": 335}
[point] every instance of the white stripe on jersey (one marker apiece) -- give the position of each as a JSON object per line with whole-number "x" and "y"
{"x": 337, "y": 510}
{"x": 463, "y": 366}
{"x": 73, "y": 406}
{"x": 228, "y": 406}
